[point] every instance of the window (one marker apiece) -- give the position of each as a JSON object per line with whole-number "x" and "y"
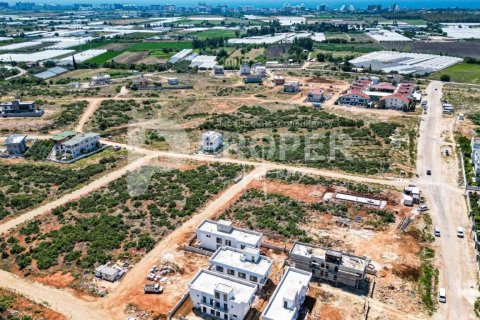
{"x": 219, "y": 268}
{"x": 224, "y": 297}
{"x": 211, "y": 302}
{"x": 219, "y": 240}
{"x": 204, "y": 299}
{"x": 253, "y": 278}
{"x": 285, "y": 305}
{"x": 242, "y": 275}
{"x": 212, "y": 312}
{"x": 225, "y": 316}
{"x": 208, "y": 236}
{"x": 228, "y": 243}
{"x": 217, "y": 295}
{"x": 225, "y": 307}
{"x": 204, "y": 310}
{"x": 231, "y": 272}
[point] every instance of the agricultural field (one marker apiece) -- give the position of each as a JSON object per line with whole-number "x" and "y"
{"x": 68, "y": 116}
{"x": 155, "y": 46}
{"x": 27, "y": 184}
{"x": 122, "y": 221}
{"x": 462, "y": 72}
{"x": 214, "y": 33}
{"x": 14, "y": 306}
{"x": 303, "y": 135}
{"x": 104, "y": 57}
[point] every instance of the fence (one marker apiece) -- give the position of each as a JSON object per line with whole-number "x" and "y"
{"x": 274, "y": 247}
{"x": 177, "y": 306}
{"x": 197, "y": 250}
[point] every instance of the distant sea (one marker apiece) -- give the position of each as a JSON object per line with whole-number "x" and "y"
{"x": 333, "y": 4}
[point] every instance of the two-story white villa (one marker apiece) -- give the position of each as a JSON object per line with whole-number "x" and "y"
{"x": 79, "y": 145}
{"x": 221, "y": 296}
{"x": 287, "y": 299}
{"x": 212, "y": 141}
{"x": 246, "y": 264}
{"x": 215, "y": 234}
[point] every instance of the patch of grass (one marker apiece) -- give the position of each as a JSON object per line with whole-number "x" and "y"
{"x": 155, "y": 46}
{"x": 92, "y": 45}
{"x": 39, "y": 150}
{"x": 461, "y": 72}
{"x": 202, "y": 35}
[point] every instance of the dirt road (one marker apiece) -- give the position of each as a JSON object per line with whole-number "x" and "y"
{"x": 133, "y": 278}
{"x": 95, "y": 185}
{"x": 58, "y": 300}
{"x": 455, "y": 256}
{"x": 93, "y": 104}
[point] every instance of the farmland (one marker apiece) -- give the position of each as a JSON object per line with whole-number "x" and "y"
{"x": 121, "y": 221}
{"x": 154, "y": 46}
{"x": 104, "y": 57}
{"x": 202, "y": 35}
{"x": 462, "y": 72}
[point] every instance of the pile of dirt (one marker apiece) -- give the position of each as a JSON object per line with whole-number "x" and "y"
{"x": 406, "y": 272}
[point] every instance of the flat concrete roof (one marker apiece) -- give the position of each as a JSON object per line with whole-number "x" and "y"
{"x": 348, "y": 260}
{"x": 228, "y": 256}
{"x": 293, "y": 279}
{"x": 80, "y": 137}
{"x": 243, "y": 235}
{"x": 15, "y": 138}
{"x": 207, "y": 281}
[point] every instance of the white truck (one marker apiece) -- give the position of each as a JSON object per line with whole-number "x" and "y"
{"x": 153, "y": 288}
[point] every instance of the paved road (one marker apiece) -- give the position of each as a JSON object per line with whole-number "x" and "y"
{"x": 455, "y": 256}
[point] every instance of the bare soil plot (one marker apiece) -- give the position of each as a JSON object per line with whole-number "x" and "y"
{"x": 16, "y": 306}
{"x": 131, "y": 57}
{"x": 117, "y": 46}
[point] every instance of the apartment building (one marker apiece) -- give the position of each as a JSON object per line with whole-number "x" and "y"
{"x": 330, "y": 265}
{"x": 221, "y": 296}
{"x": 246, "y": 264}
{"x": 215, "y": 234}
{"x": 287, "y": 299}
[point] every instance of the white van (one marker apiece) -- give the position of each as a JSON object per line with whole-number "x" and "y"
{"x": 460, "y": 232}
{"x": 442, "y": 297}
{"x": 436, "y": 232}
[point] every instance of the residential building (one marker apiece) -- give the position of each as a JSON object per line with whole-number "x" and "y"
{"x": 261, "y": 71}
{"x": 246, "y": 264}
{"x": 244, "y": 69}
{"x": 221, "y": 296}
{"x": 107, "y": 273}
{"x": 59, "y": 138}
{"x": 100, "y": 80}
{"x": 78, "y": 145}
{"x": 316, "y": 95}
{"x": 447, "y": 108}
{"x": 291, "y": 86}
{"x": 212, "y": 141}
{"x": 354, "y": 98}
{"x": 16, "y": 144}
{"x": 287, "y": 299}
{"x": 252, "y": 79}
{"x": 279, "y": 80}
{"x": 396, "y": 101}
{"x": 214, "y": 234}
{"x": 218, "y": 71}
{"x": 173, "y": 81}
{"x": 17, "y": 108}
{"x": 330, "y": 265}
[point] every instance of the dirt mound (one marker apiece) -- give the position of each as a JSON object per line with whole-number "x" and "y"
{"x": 319, "y": 80}
{"x": 406, "y": 272}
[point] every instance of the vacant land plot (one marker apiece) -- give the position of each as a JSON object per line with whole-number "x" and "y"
{"x": 154, "y": 46}
{"x": 112, "y": 113}
{"x": 131, "y": 57}
{"x": 13, "y": 306}
{"x": 314, "y": 138}
{"x": 68, "y": 116}
{"x": 462, "y": 72}
{"x": 26, "y": 185}
{"x": 121, "y": 221}
{"x": 243, "y": 55}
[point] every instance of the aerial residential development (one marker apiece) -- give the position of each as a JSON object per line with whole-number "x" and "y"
{"x": 239, "y": 160}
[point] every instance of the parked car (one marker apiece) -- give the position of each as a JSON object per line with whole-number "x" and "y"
{"x": 429, "y": 172}
{"x": 436, "y": 232}
{"x": 153, "y": 288}
{"x": 422, "y": 207}
{"x": 447, "y": 153}
{"x": 442, "y": 297}
{"x": 460, "y": 232}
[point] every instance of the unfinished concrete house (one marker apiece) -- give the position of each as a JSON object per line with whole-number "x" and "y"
{"x": 330, "y": 265}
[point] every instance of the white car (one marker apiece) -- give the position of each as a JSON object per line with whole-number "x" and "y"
{"x": 460, "y": 232}
{"x": 422, "y": 207}
{"x": 442, "y": 297}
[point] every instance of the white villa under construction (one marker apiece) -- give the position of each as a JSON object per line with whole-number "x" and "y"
{"x": 215, "y": 234}
{"x": 246, "y": 264}
{"x": 221, "y": 296}
{"x": 288, "y": 297}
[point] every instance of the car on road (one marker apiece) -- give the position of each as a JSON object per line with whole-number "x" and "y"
{"x": 429, "y": 172}
{"x": 436, "y": 232}
{"x": 460, "y": 232}
{"x": 422, "y": 207}
{"x": 442, "y": 297}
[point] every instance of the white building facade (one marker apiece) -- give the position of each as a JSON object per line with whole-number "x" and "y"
{"x": 246, "y": 264}
{"x": 287, "y": 299}
{"x": 79, "y": 145}
{"x": 212, "y": 141}
{"x": 215, "y": 234}
{"x": 221, "y": 296}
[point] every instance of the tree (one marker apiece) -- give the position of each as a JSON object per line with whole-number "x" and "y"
{"x": 445, "y": 78}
